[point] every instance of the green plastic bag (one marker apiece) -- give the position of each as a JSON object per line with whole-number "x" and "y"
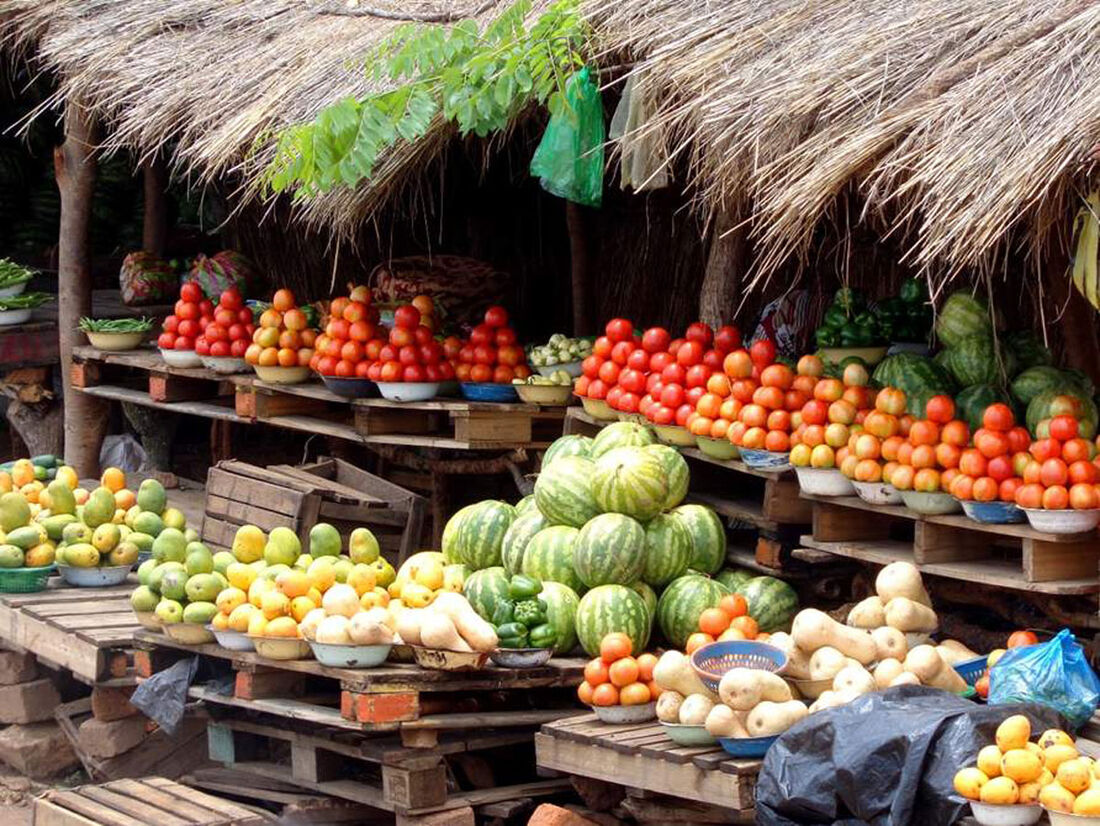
{"x": 569, "y": 160}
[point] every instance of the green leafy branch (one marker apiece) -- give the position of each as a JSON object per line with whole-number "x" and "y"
{"x": 477, "y": 79}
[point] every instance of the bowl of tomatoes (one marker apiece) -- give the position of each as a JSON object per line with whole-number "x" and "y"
{"x": 618, "y": 685}
{"x": 1065, "y": 521}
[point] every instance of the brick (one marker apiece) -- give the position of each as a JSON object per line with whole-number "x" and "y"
{"x": 17, "y": 668}
{"x": 548, "y": 814}
{"x": 101, "y": 739}
{"x": 379, "y": 708}
{"x": 38, "y": 750}
{"x": 112, "y": 703}
{"x": 28, "y": 702}
{"x": 451, "y": 817}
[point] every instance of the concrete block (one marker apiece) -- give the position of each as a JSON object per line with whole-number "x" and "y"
{"x": 28, "y": 702}
{"x": 17, "y": 667}
{"x": 38, "y": 750}
{"x": 101, "y": 739}
{"x": 112, "y": 703}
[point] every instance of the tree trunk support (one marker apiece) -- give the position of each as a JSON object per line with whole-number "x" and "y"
{"x": 578, "y": 253}
{"x": 719, "y": 294}
{"x": 154, "y": 232}
{"x": 75, "y": 169}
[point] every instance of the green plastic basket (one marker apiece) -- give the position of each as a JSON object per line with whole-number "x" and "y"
{"x": 24, "y": 580}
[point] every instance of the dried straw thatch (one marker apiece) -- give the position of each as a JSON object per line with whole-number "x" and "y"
{"x": 965, "y": 128}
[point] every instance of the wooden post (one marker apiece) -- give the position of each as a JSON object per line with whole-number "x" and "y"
{"x": 578, "y": 254}
{"x": 154, "y": 232}
{"x": 75, "y": 169}
{"x": 725, "y": 266}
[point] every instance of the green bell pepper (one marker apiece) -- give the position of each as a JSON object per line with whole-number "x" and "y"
{"x": 503, "y": 613}
{"x": 511, "y": 635}
{"x": 827, "y": 337}
{"x": 834, "y": 317}
{"x": 529, "y": 612}
{"x": 850, "y": 300}
{"x": 543, "y": 636}
{"x": 522, "y": 587}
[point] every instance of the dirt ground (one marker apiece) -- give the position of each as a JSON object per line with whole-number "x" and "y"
{"x": 17, "y": 794}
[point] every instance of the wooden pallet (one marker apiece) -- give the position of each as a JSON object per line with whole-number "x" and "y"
{"x": 140, "y": 802}
{"x": 88, "y": 631}
{"x": 418, "y": 702}
{"x": 641, "y": 756}
{"x": 1010, "y": 556}
{"x": 145, "y": 369}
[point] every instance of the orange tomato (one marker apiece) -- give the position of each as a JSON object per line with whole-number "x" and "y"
{"x": 634, "y": 694}
{"x": 746, "y": 625}
{"x": 709, "y": 405}
{"x": 734, "y": 605}
{"x": 615, "y": 646}
{"x": 955, "y": 433}
{"x": 772, "y": 398}
{"x": 1029, "y": 495}
{"x": 623, "y": 672}
{"x": 924, "y": 432}
{"x": 947, "y": 456}
{"x": 697, "y": 640}
{"x": 714, "y": 621}
{"x": 972, "y": 463}
{"x": 1053, "y": 472}
{"x": 777, "y": 441}
{"x": 595, "y": 672}
{"x": 1008, "y": 488}
{"x": 719, "y": 385}
{"x": 1083, "y": 497}
{"x": 732, "y": 635}
{"x": 605, "y": 695}
{"x": 655, "y": 691}
{"x": 646, "y": 663}
{"x": 962, "y": 487}
{"x": 940, "y": 409}
{"x": 1020, "y": 639}
{"x": 924, "y": 456}
{"x": 926, "y": 480}
{"x": 1076, "y": 450}
{"x": 584, "y": 692}
{"x": 776, "y": 375}
{"x": 985, "y": 489}
{"x": 1055, "y": 498}
{"x": 998, "y": 417}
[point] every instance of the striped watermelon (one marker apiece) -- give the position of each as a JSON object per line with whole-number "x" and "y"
{"x": 772, "y": 602}
{"x": 734, "y": 578}
{"x": 563, "y": 491}
{"x": 526, "y": 504}
{"x": 708, "y": 536}
{"x": 481, "y": 533}
{"x": 974, "y": 360}
{"x": 573, "y": 445}
{"x": 549, "y": 556}
{"x": 682, "y": 602}
{"x": 449, "y": 540}
{"x": 485, "y": 589}
{"x": 667, "y": 550}
{"x": 620, "y": 434}
{"x": 972, "y": 401}
{"x": 1029, "y": 350}
{"x": 561, "y": 612}
{"x": 962, "y": 315}
{"x": 1070, "y": 400}
{"x": 629, "y": 480}
{"x": 676, "y": 472}
{"x": 517, "y": 536}
{"x": 1034, "y": 380}
{"x": 610, "y": 608}
{"x": 610, "y": 549}
{"x": 649, "y": 596}
{"x": 920, "y": 377}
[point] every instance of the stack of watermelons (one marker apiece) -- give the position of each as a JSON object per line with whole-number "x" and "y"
{"x": 607, "y": 527}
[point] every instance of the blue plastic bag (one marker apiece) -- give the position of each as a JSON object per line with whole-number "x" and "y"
{"x": 1054, "y": 673}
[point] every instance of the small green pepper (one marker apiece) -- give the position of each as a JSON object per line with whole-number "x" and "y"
{"x": 503, "y": 613}
{"x": 522, "y": 586}
{"x": 827, "y": 337}
{"x": 529, "y": 612}
{"x": 543, "y": 636}
{"x": 835, "y": 317}
{"x": 511, "y": 635}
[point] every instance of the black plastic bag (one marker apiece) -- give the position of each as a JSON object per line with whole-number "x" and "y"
{"x": 163, "y": 696}
{"x": 886, "y": 758}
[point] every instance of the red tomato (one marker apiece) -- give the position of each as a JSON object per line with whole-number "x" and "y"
{"x": 1018, "y": 439}
{"x": 452, "y": 345}
{"x": 682, "y": 413}
{"x": 190, "y": 328}
{"x": 663, "y": 415}
{"x": 591, "y": 366}
{"x": 999, "y": 468}
{"x": 218, "y": 349}
{"x": 1043, "y": 449}
{"x": 654, "y": 385}
{"x": 597, "y": 389}
{"x": 485, "y": 354}
{"x": 632, "y": 381}
{"x": 496, "y": 316}
{"x": 237, "y": 332}
{"x": 1063, "y": 428}
{"x": 619, "y": 329}
{"x": 244, "y": 315}
{"x": 998, "y": 417}
{"x": 505, "y": 336}
{"x": 700, "y": 332}
{"x": 421, "y": 334}
{"x": 638, "y": 360}
{"x": 237, "y": 347}
{"x": 939, "y": 409}
{"x": 224, "y": 316}
{"x": 672, "y": 396}
{"x": 1020, "y": 639}
{"x": 406, "y": 355}
{"x": 510, "y": 355}
{"x": 412, "y": 372}
{"x": 171, "y": 324}
{"x": 202, "y": 347}
{"x": 674, "y": 374}
{"x": 693, "y": 394}
{"x": 188, "y": 310}
{"x": 762, "y": 353}
{"x": 713, "y": 360}
{"x": 655, "y": 339}
{"x": 628, "y": 402}
{"x": 206, "y": 307}
{"x": 482, "y": 334}
{"x": 406, "y": 316}
{"x": 620, "y": 353}
{"x": 374, "y": 372}
{"x": 166, "y": 340}
{"x": 727, "y": 339}
{"x": 697, "y": 376}
{"x": 609, "y": 372}
{"x": 613, "y": 395}
{"x": 690, "y": 353}
{"x": 674, "y": 345}
{"x": 659, "y": 361}
{"x": 362, "y": 370}
{"x": 184, "y": 343}
{"x": 446, "y": 371}
{"x": 602, "y": 347}
{"x": 191, "y": 291}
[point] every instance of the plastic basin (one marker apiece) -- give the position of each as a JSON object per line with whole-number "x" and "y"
{"x": 349, "y": 656}
{"x": 97, "y": 577}
{"x": 181, "y": 358}
{"x": 1062, "y": 521}
{"x": 824, "y": 481}
{"x": 620, "y": 715}
{"x": 408, "y": 391}
{"x": 877, "y": 493}
{"x": 116, "y": 341}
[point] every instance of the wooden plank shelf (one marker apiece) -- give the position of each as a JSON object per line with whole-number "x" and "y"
{"x": 642, "y": 756}
{"x": 1010, "y": 556}
{"x": 206, "y": 410}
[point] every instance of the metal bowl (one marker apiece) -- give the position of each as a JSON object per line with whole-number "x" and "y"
{"x": 811, "y": 689}
{"x": 281, "y": 375}
{"x": 349, "y": 656}
{"x": 9, "y": 318}
{"x": 1062, "y": 521}
{"x": 225, "y": 365}
{"x": 408, "y": 391}
{"x": 441, "y": 660}
{"x": 475, "y": 391}
{"x": 766, "y": 459}
{"x": 1012, "y": 814}
{"x": 870, "y": 355}
{"x": 1062, "y": 818}
{"x": 722, "y": 449}
{"x": 619, "y": 715}
{"x": 573, "y": 368}
{"x": 674, "y": 435}
{"x": 930, "y": 504}
{"x": 824, "y": 481}
{"x": 877, "y": 493}
{"x": 598, "y": 409}
{"x": 992, "y": 513}
{"x": 97, "y": 577}
{"x": 14, "y": 289}
{"x": 232, "y": 640}
{"x": 349, "y": 388}
{"x": 556, "y": 395}
{"x": 281, "y": 648}
{"x": 689, "y": 735}
{"x": 188, "y": 633}
{"x": 116, "y": 342}
{"x": 181, "y": 358}
{"x": 521, "y": 657}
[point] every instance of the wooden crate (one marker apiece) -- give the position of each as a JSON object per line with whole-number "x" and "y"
{"x": 1010, "y": 556}
{"x": 641, "y": 756}
{"x": 149, "y": 800}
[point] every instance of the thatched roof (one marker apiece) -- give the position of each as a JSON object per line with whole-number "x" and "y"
{"x": 967, "y": 127}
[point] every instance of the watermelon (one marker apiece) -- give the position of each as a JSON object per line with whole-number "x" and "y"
{"x": 708, "y": 536}
{"x": 650, "y": 597}
{"x": 682, "y": 602}
{"x": 1080, "y": 379}
{"x": 676, "y": 472}
{"x": 610, "y": 550}
{"x": 667, "y": 550}
{"x": 629, "y": 480}
{"x": 563, "y": 491}
{"x": 974, "y": 360}
{"x": 1035, "y": 380}
{"x": 962, "y": 315}
{"x": 485, "y": 589}
{"x": 610, "y": 608}
{"x": 1029, "y": 351}
{"x": 481, "y": 533}
{"x": 772, "y": 602}
{"x": 517, "y": 536}
{"x": 449, "y": 541}
{"x": 918, "y": 376}
{"x": 971, "y": 402}
{"x": 573, "y": 445}
{"x": 620, "y": 434}
{"x": 734, "y": 578}
{"x": 527, "y": 503}
{"x": 549, "y": 556}
{"x": 1066, "y": 399}
{"x": 561, "y": 612}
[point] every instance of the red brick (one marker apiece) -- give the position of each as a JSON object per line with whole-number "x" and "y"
{"x": 17, "y": 667}
{"x": 451, "y": 817}
{"x": 112, "y": 703}
{"x": 143, "y": 664}
{"x": 28, "y": 702}
{"x": 548, "y": 814}
{"x": 379, "y": 708}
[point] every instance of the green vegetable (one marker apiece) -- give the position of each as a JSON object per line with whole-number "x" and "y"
{"x": 530, "y": 613}
{"x": 827, "y": 337}
{"x": 12, "y": 273}
{"x": 543, "y": 636}
{"x": 25, "y": 301}
{"x": 850, "y": 300}
{"x": 835, "y": 317}
{"x": 503, "y": 613}
{"x": 522, "y": 586}
{"x": 115, "y": 325}
{"x": 913, "y": 291}
{"x": 512, "y": 635}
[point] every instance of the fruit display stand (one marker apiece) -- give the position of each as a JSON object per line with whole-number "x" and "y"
{"x": 641, "y": 758}
{"x": 378, "y": 736}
